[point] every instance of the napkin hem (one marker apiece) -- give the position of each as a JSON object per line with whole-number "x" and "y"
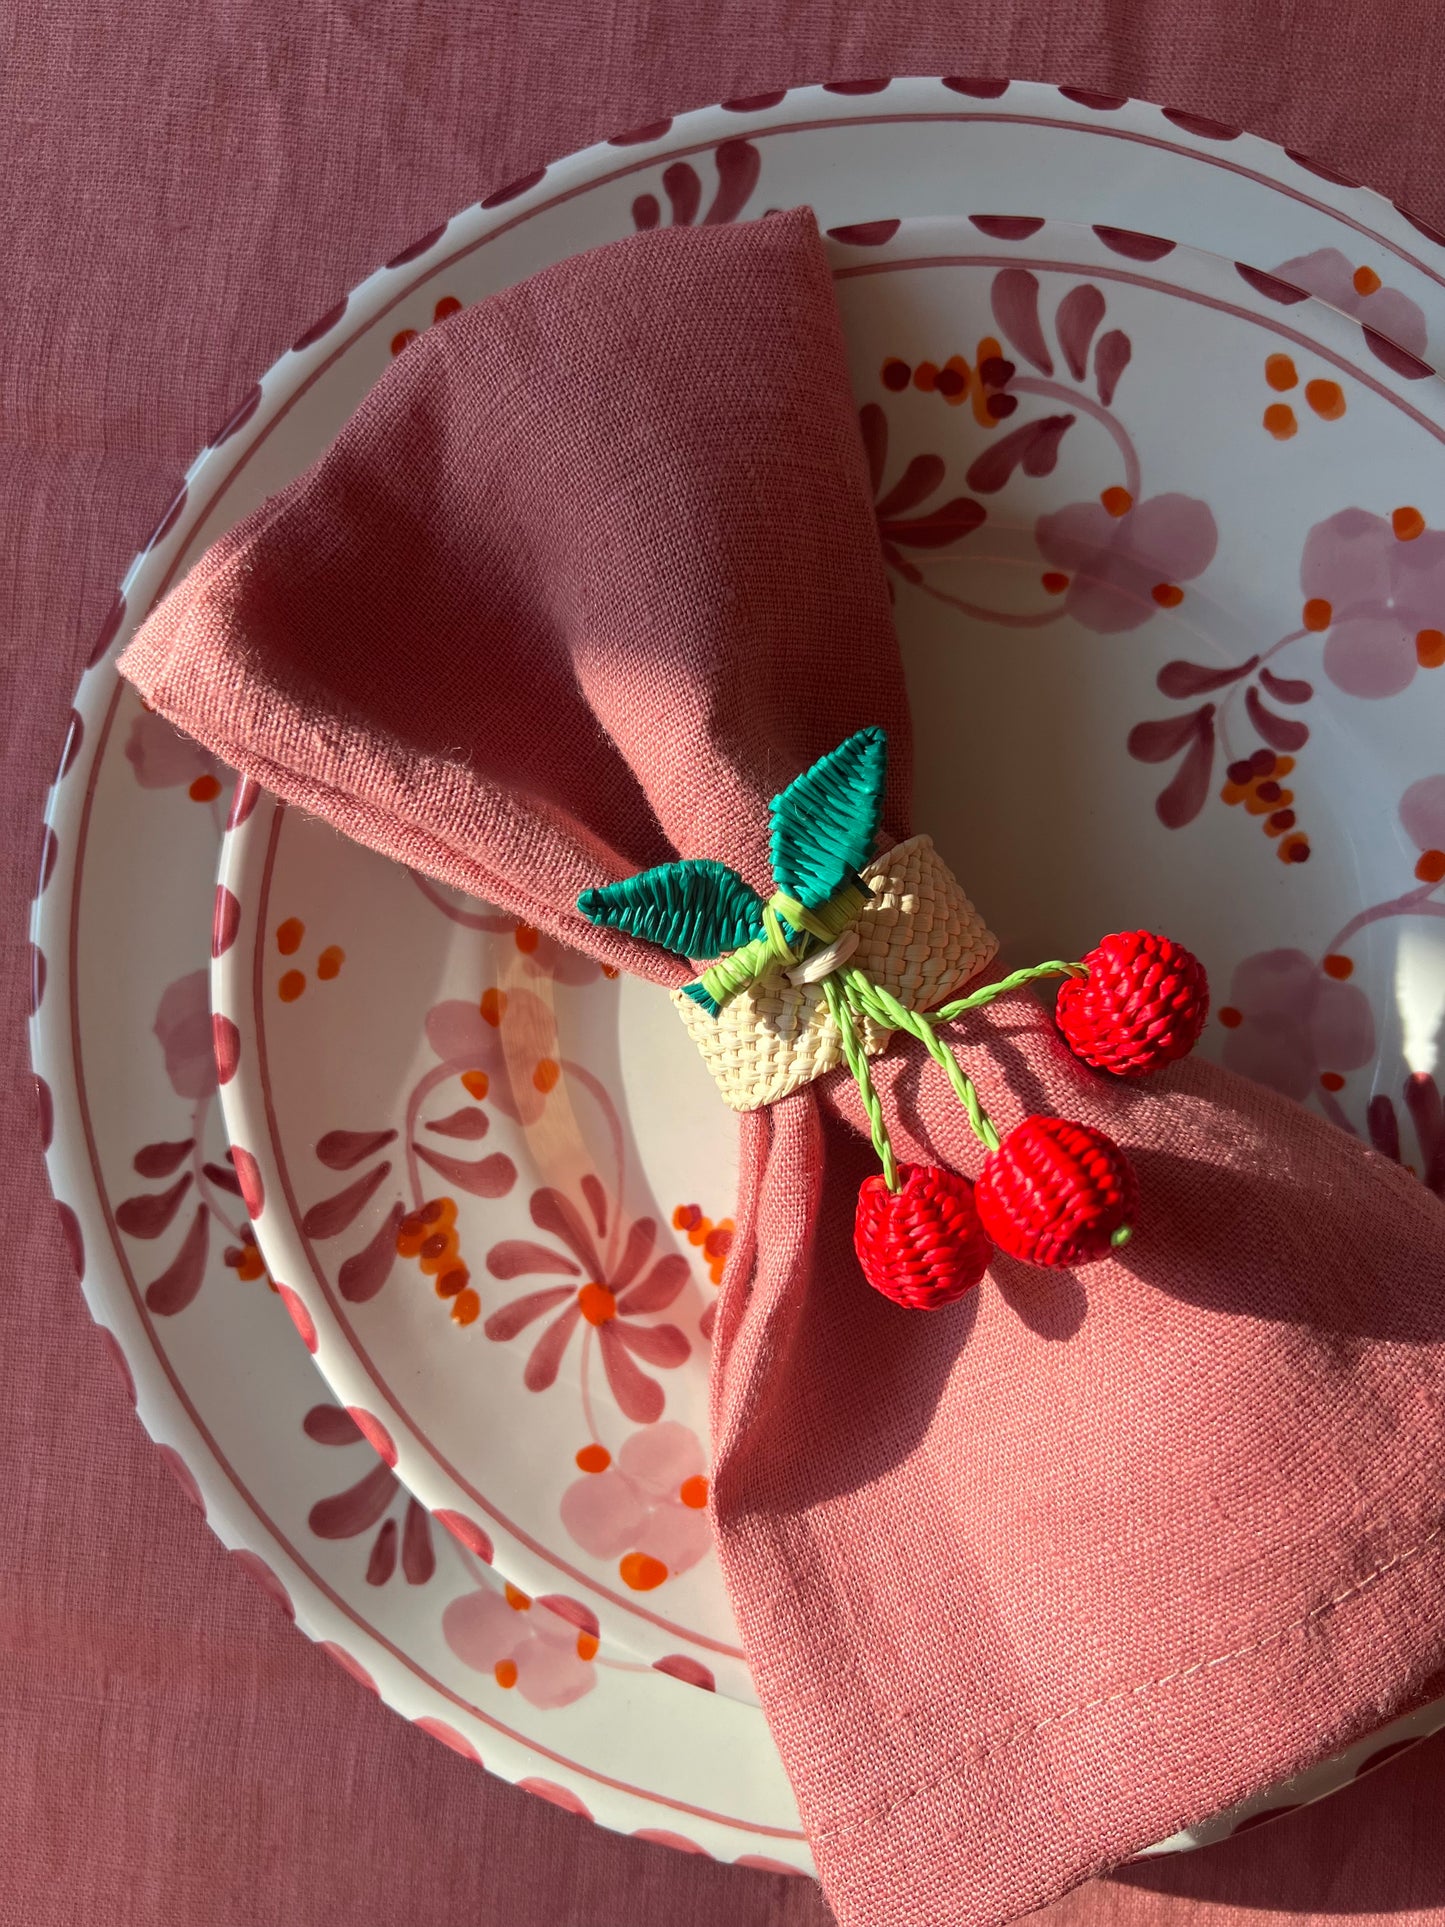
{"x": 1023, "y": 1732}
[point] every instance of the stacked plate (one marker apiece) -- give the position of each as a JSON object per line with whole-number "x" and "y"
{"x": 1157, "y": 453}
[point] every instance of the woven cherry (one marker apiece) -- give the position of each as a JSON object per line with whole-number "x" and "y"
{"x": 1056, "y": 1193}
{"x": 922, "y": 1245}
{"x": 1142, "y": 1005}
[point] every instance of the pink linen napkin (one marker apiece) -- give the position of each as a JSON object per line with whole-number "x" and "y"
{"x": 1025, "y": 1583}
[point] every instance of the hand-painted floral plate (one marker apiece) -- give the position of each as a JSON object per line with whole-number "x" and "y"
{"x": 133, "y": 826}
{"x": 507, "y": 1255}
{"x": 530, "y": 1686}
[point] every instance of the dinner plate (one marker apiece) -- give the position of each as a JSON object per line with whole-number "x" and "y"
{"x": 503, "y": 1243}
{"x": 134, "y": 821}
{"x": 529, "y": 1685}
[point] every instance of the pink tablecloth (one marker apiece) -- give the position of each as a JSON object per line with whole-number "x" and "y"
{"x": 183, "y": 183}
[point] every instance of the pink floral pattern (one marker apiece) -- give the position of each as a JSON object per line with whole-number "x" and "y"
{"x": 545, "y": 1648}
{"x": 938, "y": 526}
{"x": 1422, "y": 815}
{"x": 1425, "y": 1107}
{"x": 1123, "y": 569}
{"x": 1289, "y": 1023}
{"x": 738, "y": 164}
{"x": 163, "y": 758}
{"x": 521, "y": 1070}
{"x": 1359, "y": 292}
{"x": 1382, "y": 597}
{"x": 650, "y": 1502}
{"x": 1113, "y": 563}
{"x": 353, "y": 1511}
{"x": 183, "y": 1029}
{"x": 542, "y": 955}
{"x": 610, "y": 1302}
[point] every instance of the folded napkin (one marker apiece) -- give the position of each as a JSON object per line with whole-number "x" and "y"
{"x": 1027, "y": 1582}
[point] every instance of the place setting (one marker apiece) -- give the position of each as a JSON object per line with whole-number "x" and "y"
{"x": 399, "y": 1187}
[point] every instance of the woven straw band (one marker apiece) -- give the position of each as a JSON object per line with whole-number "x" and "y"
{"x": 918, "y": 937}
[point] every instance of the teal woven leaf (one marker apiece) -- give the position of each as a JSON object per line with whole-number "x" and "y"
{"x": 826, "y": 822}
{"x": 692, "y": 908}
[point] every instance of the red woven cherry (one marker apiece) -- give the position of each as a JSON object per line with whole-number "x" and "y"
{"x": 1056, "y": 1193}
{"x": 1142, "y": 1004}
{"x": 922, "y": 1245}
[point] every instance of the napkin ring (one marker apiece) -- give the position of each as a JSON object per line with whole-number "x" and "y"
{"x": 852, "y": 948}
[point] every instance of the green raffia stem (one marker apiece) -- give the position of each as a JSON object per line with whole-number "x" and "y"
{"x": 884, "y": 1008}
{"x": 850, "y": 994}
{"x": 857, "y": 1059}
{"x": 947, "y": 1012}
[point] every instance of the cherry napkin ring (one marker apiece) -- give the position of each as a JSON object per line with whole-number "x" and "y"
{"x": 852, "y": 948}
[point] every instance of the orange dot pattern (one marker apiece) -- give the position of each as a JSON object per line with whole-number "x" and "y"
{"x": 983, "y": 384}
{"x": 493, "y": 1003}
{"x": 1326, "y": 398}
{"x": 1117, "y": 501}
{"x": 1366, "y": 281}
{"x": 1054, "y": 583}
{"x": 1430, "y": 648}
{"x": 430, "y": 1236}
{"x": 290, "y": 935}
{"x": 715, "y": 1241}
{"x": 477, "y": 1083}
{"x": 1279, "y": 419}
{"x": 245, "y": 1259}
{"x": 1339, "y": 967}
{"x": 1167, "y": 594}
{"x": 1256, "y": 784}
{"x": 1281, "y": 373}
{"x": 1332, "y": 1081}
{"x": 693, "y": 1492}
{"x": 640, "y": 1571}
{"x": 596, "y": 1303}
{"x": 593, "y": 1458}
{"x": 205, "y": 789}
{"x": 1431, "y": 867}
{"x": 1407, "y": 523}
{"x": 1317, "y": 614}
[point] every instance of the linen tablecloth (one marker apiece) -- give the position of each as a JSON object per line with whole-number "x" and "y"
{"x": 183, "y": 185}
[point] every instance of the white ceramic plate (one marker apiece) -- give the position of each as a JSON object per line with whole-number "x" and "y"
{"x": 133, "y": 830}
{"x": 534, "y": 1361}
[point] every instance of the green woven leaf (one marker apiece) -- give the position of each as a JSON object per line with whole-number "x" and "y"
{"x": 692, "y": 908}
{"x": 825, "y": 823}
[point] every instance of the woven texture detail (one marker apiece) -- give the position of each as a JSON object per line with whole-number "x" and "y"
{"x": 1055, "y": 1193}
{"x": 1142, "y": 1005}
{"x": 918, "y": 936}
{"x": 922, "y": 1245}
